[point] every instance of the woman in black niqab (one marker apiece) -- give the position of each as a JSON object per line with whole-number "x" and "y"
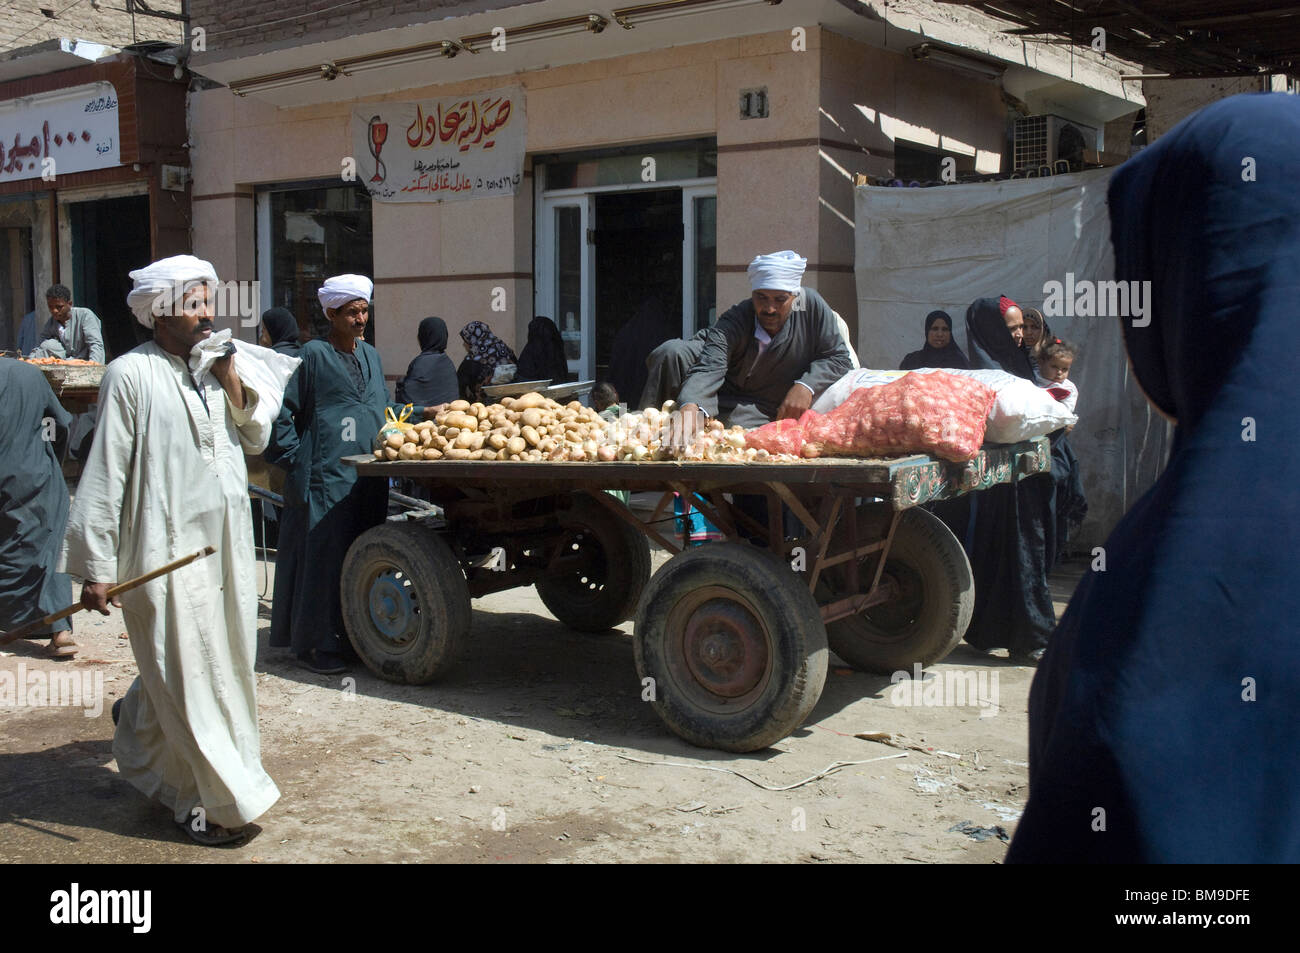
{"x": 1168, "y": 695}
{"x": 281, "y": 329}
{"x": 990, "y": 343}
{"x": 946, "y": 355}
{"x": 542, "y": 358}
{"x": 1013, "y": 536}
{"x": 431, "y": 377}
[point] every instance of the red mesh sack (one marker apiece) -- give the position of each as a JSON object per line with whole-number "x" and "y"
{"x": 941, "y": 414}
{"x": 780, "y": 436}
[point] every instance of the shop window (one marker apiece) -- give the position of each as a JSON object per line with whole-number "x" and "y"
{"x": 629, "y": 166}
{"x": 313, "y": 233}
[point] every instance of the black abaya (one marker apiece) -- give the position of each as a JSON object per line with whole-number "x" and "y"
{"x": 1013, "y": 539}
{"x": 543, "y": 357}
{"x": 431, "y": 377}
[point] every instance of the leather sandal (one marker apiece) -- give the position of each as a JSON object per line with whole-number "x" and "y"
{"x": 215, "y": 835}
{"x": 62, "y": 646}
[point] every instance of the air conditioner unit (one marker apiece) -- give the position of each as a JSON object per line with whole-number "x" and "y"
{"x": 1041, "y": 140}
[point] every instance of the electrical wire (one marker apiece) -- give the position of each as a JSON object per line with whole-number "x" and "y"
{"x": 300, "y": 16}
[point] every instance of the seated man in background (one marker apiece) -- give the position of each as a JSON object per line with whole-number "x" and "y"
{"x": 71, "y": 333}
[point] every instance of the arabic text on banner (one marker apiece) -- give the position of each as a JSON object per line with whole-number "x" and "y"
{"x": 76, "y": 127}
{"x": 437, "y": 150}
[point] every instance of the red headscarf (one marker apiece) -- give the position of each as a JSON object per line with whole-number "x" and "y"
{"x": 1005, "y": 304}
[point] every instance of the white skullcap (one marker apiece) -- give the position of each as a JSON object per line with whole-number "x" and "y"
{"x": 781, "y": 271}
{"x": 161, "y": 286}
{"x": 339, "y": 290}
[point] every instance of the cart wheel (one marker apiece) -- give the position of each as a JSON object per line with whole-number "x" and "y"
{"x": 405, "y": 603}
{"x": 608, "y": 567}
{"x": 735, "y": 645}
{"x": 936, "y": 594}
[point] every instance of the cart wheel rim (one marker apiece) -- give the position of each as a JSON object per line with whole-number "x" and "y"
{"x": 722, "y": 651}
{"x": 586, "y": 579}
{"x": 393, "y": 605}
{"x": 895, "y": 617}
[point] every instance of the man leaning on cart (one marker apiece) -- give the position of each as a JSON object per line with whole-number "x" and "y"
{"x": 767, "y": 357}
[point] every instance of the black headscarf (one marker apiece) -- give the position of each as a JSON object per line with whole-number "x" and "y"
{"x": 432, "y": 336}
{"x": 543, "y": 355}
{"x": 282, "y": 329}
{"x": 992, "y": 347}
{"x": 950, "y": 356}
{"x": 431, "y": 377}
{"x": 1150, "y": 701}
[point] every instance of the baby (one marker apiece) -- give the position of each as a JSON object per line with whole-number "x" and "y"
{"x": 1057, "y": 358}
{"x": 1054, "y": 365}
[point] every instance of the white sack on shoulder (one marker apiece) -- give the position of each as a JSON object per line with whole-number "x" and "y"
{"x": 1021, "y": 411}
{"x": 264, "y": 370}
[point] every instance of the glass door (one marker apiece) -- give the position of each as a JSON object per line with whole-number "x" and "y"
{"x": 566, "y": 277}
{"x": 699, "y": 258}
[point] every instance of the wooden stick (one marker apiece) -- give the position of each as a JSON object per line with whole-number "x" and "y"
{"x": 23, "y": 631}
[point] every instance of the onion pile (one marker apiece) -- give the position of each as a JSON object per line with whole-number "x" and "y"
{"x": 644, "y": 435}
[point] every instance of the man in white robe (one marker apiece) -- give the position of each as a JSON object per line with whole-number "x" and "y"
{"x": 164, "y": 478}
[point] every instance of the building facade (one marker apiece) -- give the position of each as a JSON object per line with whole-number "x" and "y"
{"x": 646, "y": 153}
{"x": 94, "y": 173}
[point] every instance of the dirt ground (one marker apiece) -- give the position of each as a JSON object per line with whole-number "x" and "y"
{"x": 525, "y": 754}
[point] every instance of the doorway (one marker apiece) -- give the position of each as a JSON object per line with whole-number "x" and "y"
{"x": 110, "y": 238}
{"x": 638, "y": 238}
{"x": 17, "y": 295}
{"x": 617, "y": 227}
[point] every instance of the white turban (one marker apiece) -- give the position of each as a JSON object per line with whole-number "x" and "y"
{"x": 339, "y": 290}
{"x": 161, "y": 286}
{"x": 781, "y": 271}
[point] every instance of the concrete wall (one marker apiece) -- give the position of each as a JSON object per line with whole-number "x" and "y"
{"x": 24, "y": 24}
{"x": 870, "y": 98}
{"x": 251, "y": 26}
{"x": 1169, "y": 101}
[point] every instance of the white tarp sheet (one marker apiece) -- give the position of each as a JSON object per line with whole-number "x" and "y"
{"x": 941, "y": 248}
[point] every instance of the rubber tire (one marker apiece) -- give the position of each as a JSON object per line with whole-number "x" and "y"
{"x": 441, "y": 594}
{"x": 929, "y": 554}
{"x": 622, "y": 555}
{"x": 797, "y": 662}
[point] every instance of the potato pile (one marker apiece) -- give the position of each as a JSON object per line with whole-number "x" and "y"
{"x": 533, "y": 428}
{"x": 530, "y": 428}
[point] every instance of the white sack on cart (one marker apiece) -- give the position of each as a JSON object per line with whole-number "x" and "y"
{"x": 1021, "y": 411}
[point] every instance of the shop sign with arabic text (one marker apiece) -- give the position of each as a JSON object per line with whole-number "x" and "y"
{"x": 76, "y": 128}
{"x": 438, "y": 149}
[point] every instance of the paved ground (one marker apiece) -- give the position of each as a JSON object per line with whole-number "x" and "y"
{"x": 523, "y": 754}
